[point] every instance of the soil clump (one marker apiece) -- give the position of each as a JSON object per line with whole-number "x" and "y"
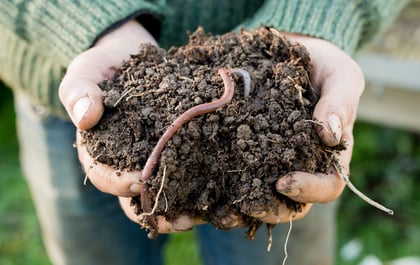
{"x": 222, "y": 162}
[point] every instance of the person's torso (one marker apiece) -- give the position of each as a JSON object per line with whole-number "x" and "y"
{"x": 215, "y": 16}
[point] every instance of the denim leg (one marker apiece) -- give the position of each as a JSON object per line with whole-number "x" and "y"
{"x": 80, "y": 224}
{"x": 311, "y": 242}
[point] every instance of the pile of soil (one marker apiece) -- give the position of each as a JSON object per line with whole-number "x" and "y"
{"x": 226, "y": 161}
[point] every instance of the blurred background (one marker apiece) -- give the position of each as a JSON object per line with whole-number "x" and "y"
{"x": 385, "y": 166}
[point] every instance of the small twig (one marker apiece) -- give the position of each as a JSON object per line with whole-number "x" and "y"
{"x": 135, "y": 95}
{"x": 359, "y": 193}
{"x": 286, "y": 255}
{"x": 245, "y": 77}
{"x": 299, "y": 89}
{"x": 235, "y": 170}
{"x": 186, "y": 78}
{"x": 123, "y": 95}
{"x": 239, "y": 200}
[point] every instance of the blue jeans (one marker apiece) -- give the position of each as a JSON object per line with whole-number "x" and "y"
{"x": 81, "y": 225}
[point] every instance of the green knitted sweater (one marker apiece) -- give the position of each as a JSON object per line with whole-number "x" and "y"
{"x": 39, "y": 38}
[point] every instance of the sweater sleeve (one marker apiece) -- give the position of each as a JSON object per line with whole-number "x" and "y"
{"x": 347, "y": 24}
{"x": 63, "y": 29}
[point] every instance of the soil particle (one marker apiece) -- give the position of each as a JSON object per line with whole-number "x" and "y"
{"x": 226, "y": 161}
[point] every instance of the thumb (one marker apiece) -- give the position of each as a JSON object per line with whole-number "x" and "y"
{"x": 340, "y": 82}
{"x": 341, "y": 85}
{"x": 79, "y": 91}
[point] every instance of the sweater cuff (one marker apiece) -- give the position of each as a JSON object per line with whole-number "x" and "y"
{"x": 347, "y": 24}
{"x": 67, "y": 28}
{"x": 148, "y": 21}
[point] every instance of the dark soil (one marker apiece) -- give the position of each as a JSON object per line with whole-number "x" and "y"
{"x": 225, "y": 161}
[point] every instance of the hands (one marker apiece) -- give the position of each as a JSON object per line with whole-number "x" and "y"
{"x": 340, "y": 82}
{"x": 336, "y": 75}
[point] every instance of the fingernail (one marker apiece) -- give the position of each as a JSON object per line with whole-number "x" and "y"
{"x": 334, "y": 123}
{"x": 183, "y": 223}
{"x": 136, "y": 188}
{"x": 290, "y": 192}
{"x": 259, "y": 214}
{"x": 80, "y": 108}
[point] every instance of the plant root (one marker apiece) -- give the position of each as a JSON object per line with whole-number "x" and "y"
{"x": 162, "y": 184}
{"x": 350, "y": 185}
{"x": 153, "y": 233}
{"x": 270, "y": 236}
{"x": 286, "y": 241}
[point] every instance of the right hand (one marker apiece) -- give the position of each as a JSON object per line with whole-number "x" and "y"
{"x": 82, "y": 98}
{"x": 78, "y": 91}
{"x": 340, "y": 82}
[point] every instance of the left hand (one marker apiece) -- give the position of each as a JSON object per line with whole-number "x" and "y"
{"x": 82, "y": 99}
{"x": 340, "y": 82}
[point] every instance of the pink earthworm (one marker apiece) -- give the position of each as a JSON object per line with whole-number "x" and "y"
{"x": 201, "y": 109}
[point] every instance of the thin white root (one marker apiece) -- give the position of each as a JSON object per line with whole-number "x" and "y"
{"x": 359, "y": 193}
{"x": 239, "y": 200}
{"x": 299, "y": 89}
{"x": 286, "y": 255}
{"x": 123, "y": 95}
{"x": 141, "y": 216}
{"x": 166, "y": 201}
{"x": 245, "y": 77}
{"x": 85, "y": 180}
{"x": 270, "y": 236}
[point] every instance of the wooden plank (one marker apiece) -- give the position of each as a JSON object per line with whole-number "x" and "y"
{"x": 392, "y": 95}
{"x": 390, "y": 71}
{"x": 394, "y": 107}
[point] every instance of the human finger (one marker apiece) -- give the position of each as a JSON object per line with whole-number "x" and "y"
{"x": 180, "y": 224}
{"x": 306, "y": 187}
{"x": 105, "y": 178}
{"x": 341, "y": 83}
{"x": 319, "y": 187}
{"x": 78, "y": 91}
{"x": 283, "y": 214}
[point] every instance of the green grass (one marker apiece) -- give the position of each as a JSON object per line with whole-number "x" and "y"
{"x": 182, "y": 249}
{"x": 386, "y": 166}
{"x": 20, "y": 239}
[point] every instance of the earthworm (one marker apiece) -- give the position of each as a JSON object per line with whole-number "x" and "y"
{"x": 245, "y": 77}
{"x": 204, "y": 108}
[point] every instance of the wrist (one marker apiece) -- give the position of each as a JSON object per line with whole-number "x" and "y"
{"x": 130, "y": 33}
